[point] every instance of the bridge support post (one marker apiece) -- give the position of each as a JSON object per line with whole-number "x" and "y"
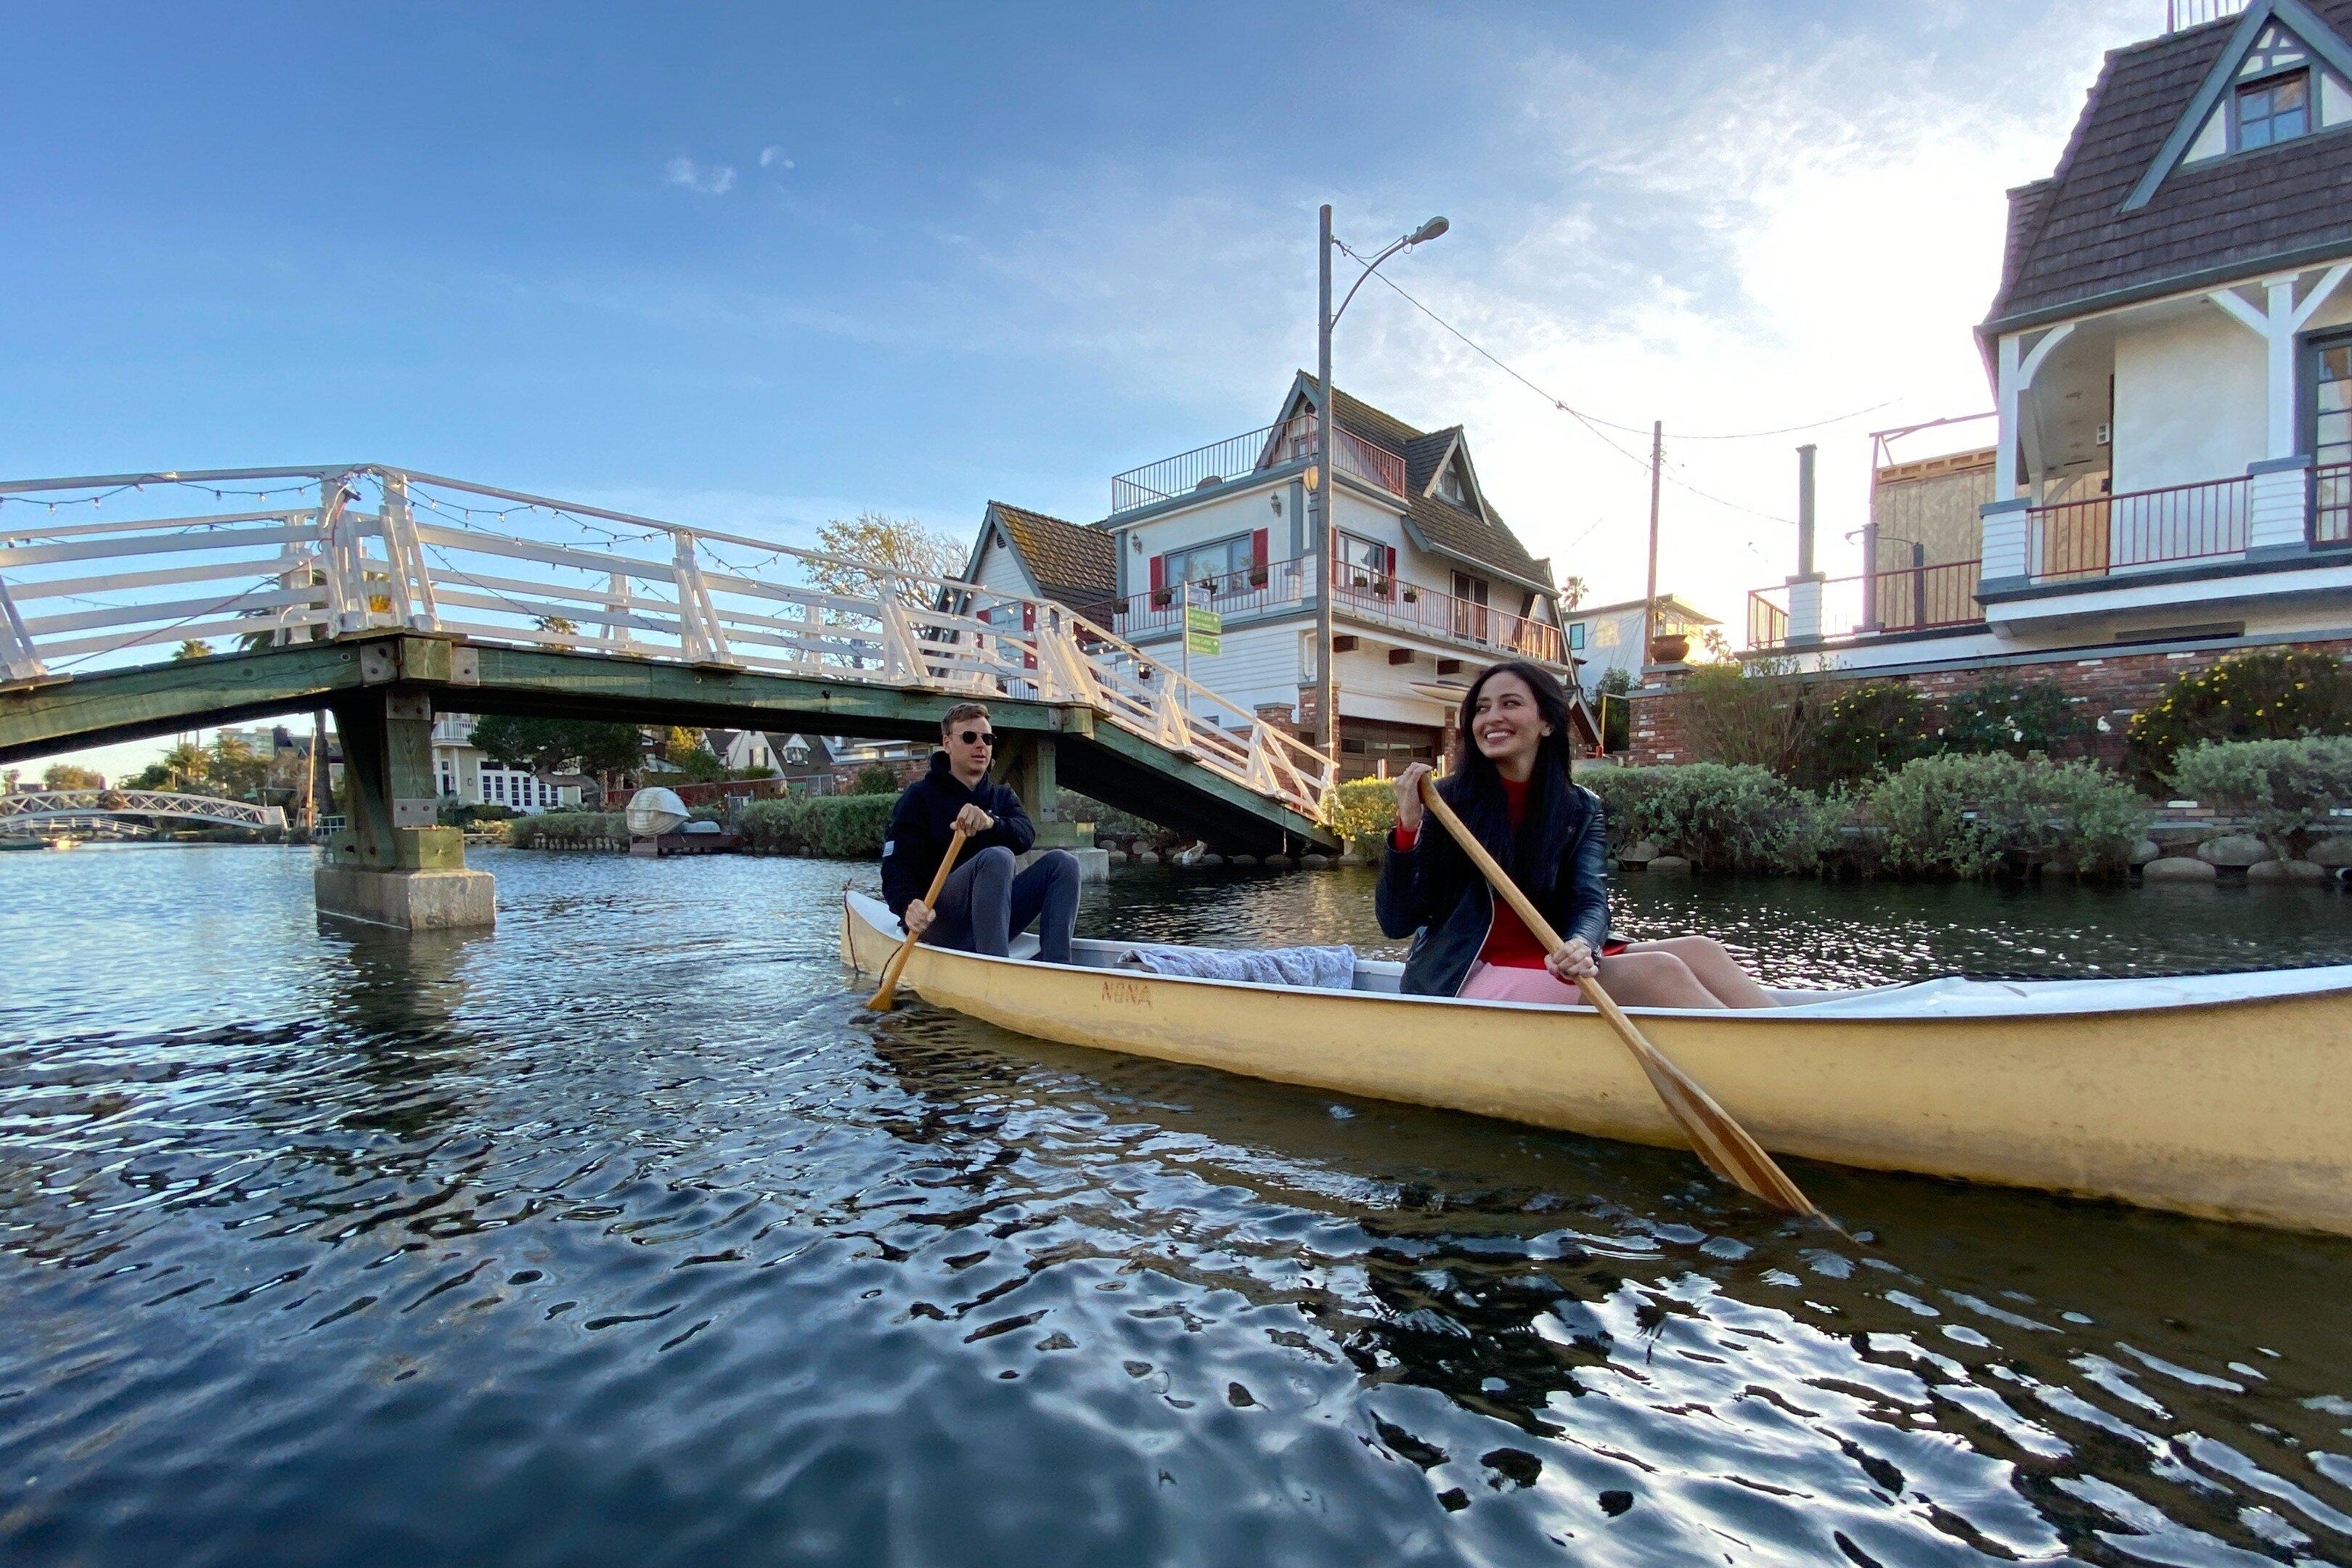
{"x": 1029, "y": 767}
{"x": 391, "y": 863}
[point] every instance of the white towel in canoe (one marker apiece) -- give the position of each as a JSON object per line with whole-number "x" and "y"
{"x": 1317, "y": 968}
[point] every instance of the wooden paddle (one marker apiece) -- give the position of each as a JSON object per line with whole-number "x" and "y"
{"x": 1722, "y": 1142}
{"x": 885, "y": 999}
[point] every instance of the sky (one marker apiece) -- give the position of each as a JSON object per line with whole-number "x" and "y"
{"x": 760, "y": 266}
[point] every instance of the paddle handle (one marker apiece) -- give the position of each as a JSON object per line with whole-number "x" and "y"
{"x": 884, "y": 999}
{"x": 1725, "y": 1146}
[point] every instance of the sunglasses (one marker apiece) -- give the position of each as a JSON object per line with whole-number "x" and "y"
{"x": 977, "y": 737}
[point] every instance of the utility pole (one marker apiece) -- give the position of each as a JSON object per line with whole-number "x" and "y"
{"x": 1650, "y": 600}
{"x": 1327, "y": 689}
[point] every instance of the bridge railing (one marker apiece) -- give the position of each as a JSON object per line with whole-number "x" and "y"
{"x": 351, "y": 549}
{"x": 34, "y": 806}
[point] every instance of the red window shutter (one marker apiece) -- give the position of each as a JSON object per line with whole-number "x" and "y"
{"x": 1159, "y": 572}
{"x": 1257, "y": 559}
{"x": 1029, "y": 623}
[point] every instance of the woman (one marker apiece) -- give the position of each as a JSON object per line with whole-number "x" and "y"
{"x": 1510, "y": 786}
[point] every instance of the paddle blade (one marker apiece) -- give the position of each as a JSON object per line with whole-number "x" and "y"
{"x": 1722, "y": 1143}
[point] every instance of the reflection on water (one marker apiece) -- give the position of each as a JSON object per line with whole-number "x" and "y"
{"x": 625, "y": 1235}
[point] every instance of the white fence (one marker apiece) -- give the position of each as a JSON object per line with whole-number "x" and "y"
{"x": 102, "y": 572}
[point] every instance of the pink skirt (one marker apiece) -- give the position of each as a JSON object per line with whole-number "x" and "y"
{"x": 1500, "y": 982}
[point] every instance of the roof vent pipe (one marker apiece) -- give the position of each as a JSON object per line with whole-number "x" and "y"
{"x": 1805, "y": 512}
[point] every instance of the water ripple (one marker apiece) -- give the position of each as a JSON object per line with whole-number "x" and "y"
{"x": 625, "y": 1234}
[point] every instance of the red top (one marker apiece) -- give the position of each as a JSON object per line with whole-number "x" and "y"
{"x": 1509, "y": 943}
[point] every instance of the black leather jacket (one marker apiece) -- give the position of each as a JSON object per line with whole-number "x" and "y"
{"x": 1434, "y": 894}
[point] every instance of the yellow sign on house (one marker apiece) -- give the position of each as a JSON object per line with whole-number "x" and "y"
{"x": 1204, "y": 632}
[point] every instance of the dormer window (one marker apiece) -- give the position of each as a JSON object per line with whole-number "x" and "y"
{"x": 2276, "y": 109}
{"x": 1450, "y": 486}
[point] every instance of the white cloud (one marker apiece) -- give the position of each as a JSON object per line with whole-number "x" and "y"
{"x": 775, "y": 157}
{"x": 710, "y": 179}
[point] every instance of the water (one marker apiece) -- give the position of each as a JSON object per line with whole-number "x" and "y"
{"x": 625, "y": 1235}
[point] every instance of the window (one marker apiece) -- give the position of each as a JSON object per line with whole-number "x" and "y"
{"x": 1210, "y": 565}
{"x": 1450, "y": 486}
{"x": 2277, "y": 110}
{"x": 2328, "y": 397}
{"x": 1576, "y": 636}
{"x": 1367, "y": 567}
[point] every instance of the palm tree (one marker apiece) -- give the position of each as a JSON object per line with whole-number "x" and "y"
{"x": 191, "y": 648}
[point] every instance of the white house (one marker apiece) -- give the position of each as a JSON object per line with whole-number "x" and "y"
{"x": 1431, "y": 583}
{"x": 1603, "y": 637}
{"x": 465, "y": 774}
{"x": 2170, "y": 352}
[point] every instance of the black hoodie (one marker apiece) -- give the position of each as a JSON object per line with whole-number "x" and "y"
{"x": 924, "y": 820}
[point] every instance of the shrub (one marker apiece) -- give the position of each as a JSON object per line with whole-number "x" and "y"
{"x": 1754, "y": 712}
{"x": 1864, "y": 732}
{"x": 1616, "y": 713}
{"x": 1966, "y": 815}
{"x": 775, "y": 827}
{"x": 2271, "y": 694}
{"x": 847, "y": 826}
{"x": 1110, "y": 821}
{"x": 875, "y": 779}
{"x": 2002, "y": 715}
{"x": 1719, "y": 817}
{"x": 2287, "y": 787}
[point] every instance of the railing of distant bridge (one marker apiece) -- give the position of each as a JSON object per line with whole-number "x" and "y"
{"x": 99, "y": 571}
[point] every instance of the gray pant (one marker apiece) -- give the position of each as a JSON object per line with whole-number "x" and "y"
{"x": 986, "y": 904}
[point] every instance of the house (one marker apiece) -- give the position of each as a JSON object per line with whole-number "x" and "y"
{"x": 1603, "y": 637}
{"x": 740, "y": 750}
{"x": 1431, "y": 583}
{"x": 2169, "y": 349}
{"x": 1040, "y": 557}
{"x": 465, "y": 774}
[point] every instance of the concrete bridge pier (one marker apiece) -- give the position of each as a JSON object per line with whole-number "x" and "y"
{"x": 391, "y": 863}
{"x": 1029, "y": 766}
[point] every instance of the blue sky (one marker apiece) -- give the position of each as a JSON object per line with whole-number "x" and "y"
{"x": 764, "y": 266}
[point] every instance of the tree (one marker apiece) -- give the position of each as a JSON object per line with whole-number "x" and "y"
{"x": 191, "y": 648}
{"x": 875, "y": 779}
{"x": 875, "y": 547}
{"x": 1571, "y": 593}
{"x": 233, "y": 769}
{"x": 1755, "y": 712}
{"x": 558, "y": 745}
{"x": 687, "y": 750}
{"x": 65, "y": 775}
{"x": 1616, "y": 714}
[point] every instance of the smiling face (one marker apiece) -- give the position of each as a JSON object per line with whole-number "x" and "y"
{"x": 1507, "y": 726}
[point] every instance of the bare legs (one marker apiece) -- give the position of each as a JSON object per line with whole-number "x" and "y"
{"x": 1681, "y": 972}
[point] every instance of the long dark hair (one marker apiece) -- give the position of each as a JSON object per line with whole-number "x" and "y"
{"x": 1475, "y": 789}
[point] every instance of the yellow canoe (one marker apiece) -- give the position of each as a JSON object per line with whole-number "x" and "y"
{"x": 2227, "y": 1096}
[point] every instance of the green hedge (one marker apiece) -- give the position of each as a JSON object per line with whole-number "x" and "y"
{"x": 2287, "y": 787}
{"x": 1719, "y": 816}
{"x": 840, "y": 826}
{"x": 1966, "y": 816}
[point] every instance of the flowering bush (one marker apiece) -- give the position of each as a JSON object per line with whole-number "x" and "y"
{"x": 1863, "y": 731}
{"x": 2001, "y": 715}
{"x": 2270, "y": 694}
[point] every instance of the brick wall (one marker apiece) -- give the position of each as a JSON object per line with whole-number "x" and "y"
{"x": 2107, "y": 689}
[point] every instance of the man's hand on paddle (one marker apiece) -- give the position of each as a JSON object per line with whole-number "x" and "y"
{"x": 916, "y": 917}
{"x": 1573, "y": 961}
{"x": 1407, "y": 794}
{"x": 972, "y": 820}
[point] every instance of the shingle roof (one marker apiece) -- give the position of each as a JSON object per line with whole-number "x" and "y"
{"x": 2070, "y": 239}
{"x": 1079, "y": 566}
{"x": 1457, "y": 531}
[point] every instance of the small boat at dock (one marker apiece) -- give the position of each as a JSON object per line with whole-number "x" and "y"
{"x": 2224, "y": 1096}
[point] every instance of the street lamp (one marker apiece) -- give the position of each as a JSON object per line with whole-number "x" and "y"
{"x": 1326, "y": 686}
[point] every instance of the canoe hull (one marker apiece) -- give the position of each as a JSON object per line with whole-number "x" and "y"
{"x": 2239, "y": 1111}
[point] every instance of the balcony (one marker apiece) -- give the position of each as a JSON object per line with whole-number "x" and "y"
{"x": 2137, "y": 529}
{"x": 1236, "y": 457}
{"x": 1911, "y": 599}
{"x": 1383, "y": 601}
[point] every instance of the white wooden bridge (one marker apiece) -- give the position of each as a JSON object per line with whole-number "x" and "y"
{"x": 80, "y": 804}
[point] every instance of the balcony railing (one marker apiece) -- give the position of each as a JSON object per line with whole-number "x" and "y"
{"x": 1910, "y": 599}
{"x": 1204, "y": 468}
{"x": 2135, "y": 529}
{"x": 1388, "y": 601}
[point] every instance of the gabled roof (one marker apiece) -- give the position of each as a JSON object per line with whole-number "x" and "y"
{"x": 2077, "y": 238}
{"x": 1078, "y": 566}
{"x": 1475, "y": 534}
{"x": 1683, "y": 608}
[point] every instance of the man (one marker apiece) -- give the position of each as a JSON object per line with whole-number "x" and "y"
{"x": 985, "y": 904}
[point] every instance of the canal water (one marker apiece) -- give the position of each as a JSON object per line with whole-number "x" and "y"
{"x": 623, "y": 1236}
